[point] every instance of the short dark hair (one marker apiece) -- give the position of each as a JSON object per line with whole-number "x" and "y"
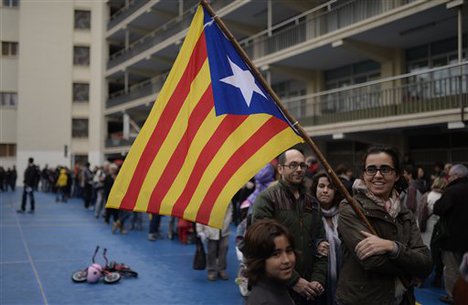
{"x": 342, "y": 169}
{"x": 410, "y": 169}
{"x": 31, "y": 160}
{"x": 259, "y": 245}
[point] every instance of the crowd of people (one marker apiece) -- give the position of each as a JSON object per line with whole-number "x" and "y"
{"x": 299, "y": 240}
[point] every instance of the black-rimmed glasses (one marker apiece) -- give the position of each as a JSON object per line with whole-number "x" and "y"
{"x": 295, "y": 165}
{"x": 384, "y": 170}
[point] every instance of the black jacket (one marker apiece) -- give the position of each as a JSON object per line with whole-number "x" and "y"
{"x": 452, "y": 208}
{"x": 30, "y": 176}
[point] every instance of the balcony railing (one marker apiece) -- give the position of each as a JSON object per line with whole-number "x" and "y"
{"x": 155, "y": 37}
{"x": 147, "y": 88}
{"x": 326, "y": 18}
{"x": 424, "y": 91}
{"x": 323, "y": 19}
{"x": 124, "y": 12}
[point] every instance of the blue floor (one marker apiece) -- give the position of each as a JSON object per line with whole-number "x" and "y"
{"x": 39, "y": 252}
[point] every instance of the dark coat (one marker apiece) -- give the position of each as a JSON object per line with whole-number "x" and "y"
{"x": 30, "y": 176}
{"x": 372, "y": 281}
{"x": 303, "y": 219}
{"x": 269, "y": 292}
{"x": 452, "y": 208}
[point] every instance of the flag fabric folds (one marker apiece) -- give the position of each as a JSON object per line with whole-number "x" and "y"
{"x": 212, "y": 127}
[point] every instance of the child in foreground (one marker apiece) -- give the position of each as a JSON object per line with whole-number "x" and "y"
{"x": 270, "y": 258}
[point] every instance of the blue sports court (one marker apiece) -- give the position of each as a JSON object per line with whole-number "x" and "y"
{"x": 39, "y": 252}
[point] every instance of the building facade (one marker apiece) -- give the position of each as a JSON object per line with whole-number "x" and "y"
{"x": 353, "y": 72}
{"x": 80, "y": 77}
{"x": 53, "y": 90}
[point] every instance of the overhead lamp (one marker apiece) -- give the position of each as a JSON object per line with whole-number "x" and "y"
{"x": 338, "y": 136}
{"x": 455, "y": 125}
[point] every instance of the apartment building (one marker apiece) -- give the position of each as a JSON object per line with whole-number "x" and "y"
{"x": 80, "y": 77}
{"x": 353, "y": 72}
{"x": 52, "y": 86}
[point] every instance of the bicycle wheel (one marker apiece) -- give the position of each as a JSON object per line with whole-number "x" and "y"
{"x": 112, "y": 278}
{"x": 128, "y": 273}
{"x": 79, "y": 276}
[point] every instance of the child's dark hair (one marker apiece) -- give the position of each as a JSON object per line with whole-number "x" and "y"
{"x": 259, "y": 245}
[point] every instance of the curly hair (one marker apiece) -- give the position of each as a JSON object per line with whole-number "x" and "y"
{"x": 259, "y": 245}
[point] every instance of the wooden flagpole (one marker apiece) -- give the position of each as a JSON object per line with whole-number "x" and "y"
{"x": 302, "y": 132}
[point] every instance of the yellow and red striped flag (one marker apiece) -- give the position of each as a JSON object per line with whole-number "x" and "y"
{"x": 212, "y": 127}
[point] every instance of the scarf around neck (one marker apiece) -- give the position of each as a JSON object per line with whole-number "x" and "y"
{"x": 392, "y": 205}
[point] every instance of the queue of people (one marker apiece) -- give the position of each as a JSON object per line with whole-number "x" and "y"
{"x": 362, "y": 265}
{"x": 300, "y": 241}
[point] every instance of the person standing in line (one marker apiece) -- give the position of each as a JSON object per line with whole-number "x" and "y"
{"x": 290, "y": 204}
{"x": 13, "y": 177}
{"x": 61, "y": 184}
{"x": 86, "y": 183}
{"x": 270, "y": 259}
{"x": 329, "y": 198}
{"x": 377, "y": 269}
{"x": 218, "y": 244}
{"x": 427, "y": 220}
{"x": 30, "y": 178}
{"x": 452, "y": 208}
{"x": 154, "y": 227}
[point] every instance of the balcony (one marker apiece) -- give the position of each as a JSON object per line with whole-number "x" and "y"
{"x": 147, "y": 88}
{"x": 124, "y": 12}
{"x": 324, "y": 19}
{"x": 420, "y": 92}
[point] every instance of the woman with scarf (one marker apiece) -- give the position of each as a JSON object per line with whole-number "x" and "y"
{"x": 329, "y": 199}
{"x": 379, "y": 269}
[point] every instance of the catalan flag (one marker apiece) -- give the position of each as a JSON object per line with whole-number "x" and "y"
{"x": 212, "y": 127}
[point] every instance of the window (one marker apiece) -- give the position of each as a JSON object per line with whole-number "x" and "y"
{"x": 79, "y": 128}
{"x": 8, "y": 99}
{"x": 11, "y": 3}
{"x": 7, "y": 150}
{"x": 81, "y": 56}
{"x": 82, "y": 20}
{"x": 9, "y": 48}
{"x": 80, "y": 92}
{"x": 81, "y": 159}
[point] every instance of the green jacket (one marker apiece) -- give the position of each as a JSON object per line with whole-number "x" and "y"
{"x": 372, "y": 281}
{"x": 303, "y": 219}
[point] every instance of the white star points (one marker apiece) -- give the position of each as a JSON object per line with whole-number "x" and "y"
{"x": 244, "y": 80}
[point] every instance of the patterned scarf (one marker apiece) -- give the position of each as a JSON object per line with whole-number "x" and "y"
{"x": 334, "y": 255}
{"x": 392, "y": 205}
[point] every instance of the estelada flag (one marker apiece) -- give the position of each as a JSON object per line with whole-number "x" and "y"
{"x": 212, "y": 128}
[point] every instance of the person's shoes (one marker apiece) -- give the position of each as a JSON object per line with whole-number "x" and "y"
{"x": 20, "y": 211}
{"x": 223, "y": 275}
{"x": 446, "y": 299}
{"x": 116, "y": 226}
{"x": 152, "y": 237}
{"x": 211, "y": 276}
{"x": 31, "y": 212}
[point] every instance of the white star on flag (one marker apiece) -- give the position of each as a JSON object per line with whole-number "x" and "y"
{"x": 244, "y": 80}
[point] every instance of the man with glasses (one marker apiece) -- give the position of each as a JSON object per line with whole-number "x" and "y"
{"x": 290, "y": 204}
{"x": 452, "y": 208}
